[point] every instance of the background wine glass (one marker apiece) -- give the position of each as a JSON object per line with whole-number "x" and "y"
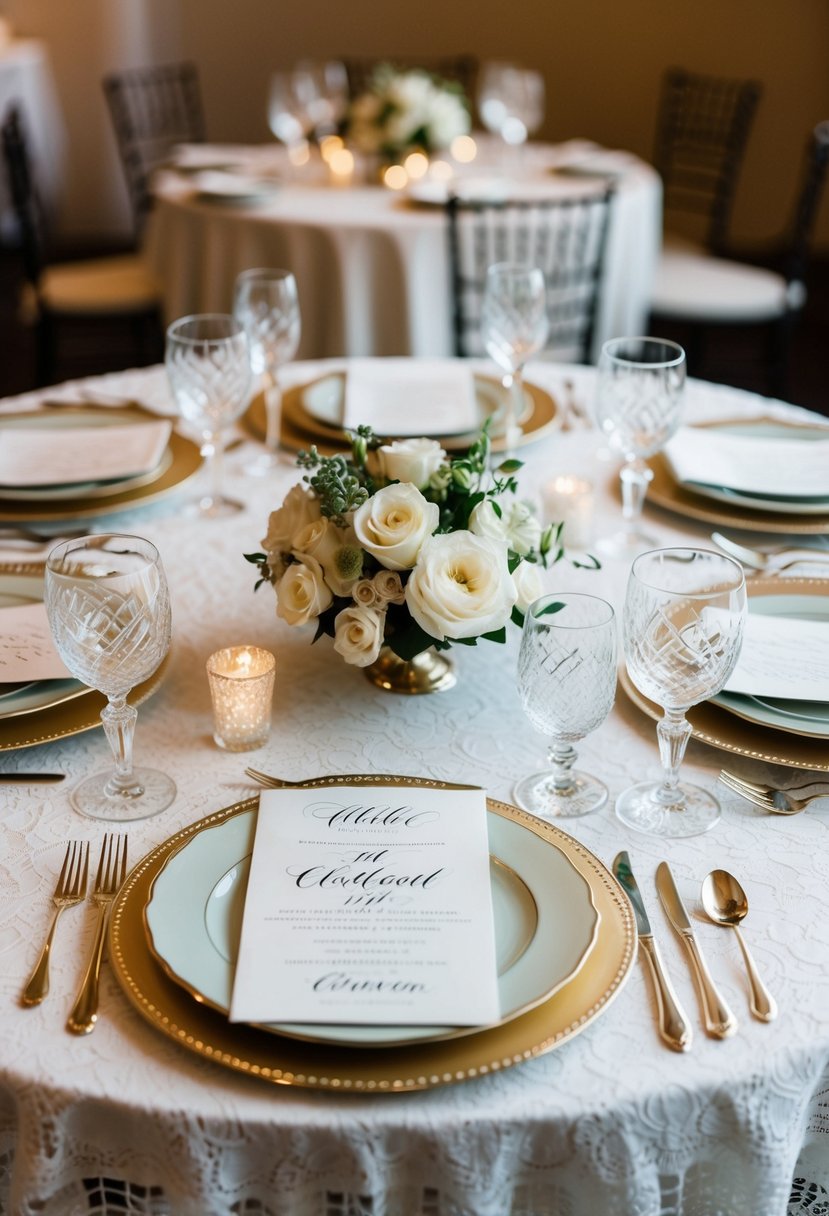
{"x": 514, "y": 325}
{"x": 510, "y": 101}
{"x": 266, "y": 305}
{"x": 109, "y": 612}
{"x": 322, "y": 89}
{"x": 683, "y": 625}
{"x": 567, "y": 684}
{"x": 639, "y": 394}
{"x": 208, "y": 366}
{"x": 288, "y": 116}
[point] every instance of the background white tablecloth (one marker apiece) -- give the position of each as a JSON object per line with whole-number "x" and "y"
{"x": 612, "y": 1122}
{"x": 373, "y": 271}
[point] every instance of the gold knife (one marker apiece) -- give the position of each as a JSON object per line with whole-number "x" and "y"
{"x": 720, "y": 1022}
{"x": 672, "y": 1021}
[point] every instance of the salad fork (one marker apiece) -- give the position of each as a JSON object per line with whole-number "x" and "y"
{"x": 112, "y": 870}
{"x": 69, "y": 890}
{"x": 777, "y": 802}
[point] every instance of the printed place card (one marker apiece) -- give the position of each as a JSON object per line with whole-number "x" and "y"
{"x": 410, "y": 397}
{"x": 27, "y": 651}
{"x": 42, "y": 456}
{"x": 368, "y": 905}
{"x": 783, "y": 657}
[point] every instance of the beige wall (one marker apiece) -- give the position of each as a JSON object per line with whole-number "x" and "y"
{"x": 602, "y": 62}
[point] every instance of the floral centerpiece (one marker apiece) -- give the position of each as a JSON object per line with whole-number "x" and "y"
{"x": 404, "y": 111}
{"x": 401, "y": 547}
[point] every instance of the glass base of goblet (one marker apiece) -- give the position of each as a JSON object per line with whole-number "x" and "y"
{"x": 91, "y": 798}
{"x": 696, "y": 811}
{"x": 211, "y": 507}
{"x": 626, "y": 545}
{"x": 267, "y": 462}
{"x": 538, "y": 795}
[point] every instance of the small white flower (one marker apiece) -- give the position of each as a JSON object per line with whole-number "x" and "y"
{"x": 414, "y": 460}
{"x": 461, "y": 586}
{"x": 523, "y": 530}
{"x": 527, "y": 580}
{"x": 484, "y": 520}
{"x": 358, "y": 634}
{"x": 389, "y": 587}
{"x": 301, "y": 593}
{"x": 300, "y": 507}
{"x": 393, "y": 524}
{"x": 365, "y": 593}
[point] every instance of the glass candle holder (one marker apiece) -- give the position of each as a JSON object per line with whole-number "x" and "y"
{"x": 241, "y": 687}
{"x": 569, "y": 500}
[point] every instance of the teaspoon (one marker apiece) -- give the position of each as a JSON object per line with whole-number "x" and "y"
{"x": 725, "y": 903}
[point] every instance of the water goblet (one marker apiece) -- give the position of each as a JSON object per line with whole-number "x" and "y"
{"x": 288, "y": 117}
{"x": 639, "y": 394}
{"x": 683, "y": 625}
{"x": 109, "y": 612}
{"x": 322, "y": 89}
{"x": 208, "y": 366}
{"x": 266, "y": 305}
{"x": 514, "y": 325}
{"x": 567, "y": 684}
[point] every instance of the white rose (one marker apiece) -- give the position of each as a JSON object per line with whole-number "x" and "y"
{"x": 299, "y": 508}
{"x": 358, "y": 634}
{"x": 461, "y": 586}
{"x": 484, "y": 521}
{"x": 365, "y": 593}
{"x": 389, "y": 587}
{"x": 301, "y": 593}
{"x": 393, "y": 524}
{"x": 414, "y": 460}
{"x": 523, "y": 530}
{"x": 448, "y": 118}
{"x": 332, "y": 548}
{"x": 527, "y": 579}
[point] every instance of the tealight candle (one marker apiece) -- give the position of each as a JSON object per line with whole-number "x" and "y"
{"x": 241, "y": 687}
{"x": 341, "y": 166}
{"x": 569, "y": 500}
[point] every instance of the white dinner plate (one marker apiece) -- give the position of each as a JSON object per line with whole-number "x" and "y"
{"x": 799, "y": 717}
{"x": 17, "y": 589}
{"x": 430, "y": 193}
{"x": 234, "y": 188}
{"x": 545, "y": 924}
{"x": 785, "y": 505}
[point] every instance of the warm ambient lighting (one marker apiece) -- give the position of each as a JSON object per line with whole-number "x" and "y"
{"x": 416, "y": 165}
{"x": 299, "y": 153}
{"x": 329, "y": 146}
{"x": 464, "y": 149}
{"x": 241, "y": 688}
{"x": 441, "y": 171}
{"x": 396, "y": 177}
{"x": 341, "y": 164}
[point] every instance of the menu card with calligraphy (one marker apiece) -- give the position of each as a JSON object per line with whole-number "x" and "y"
{"x": 27, "y": 651}
{"x": 368, "y": 905}
{"x": 783, "y": 657}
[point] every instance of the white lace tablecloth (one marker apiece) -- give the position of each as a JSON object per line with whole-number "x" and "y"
{"x": 611, "y": 1122}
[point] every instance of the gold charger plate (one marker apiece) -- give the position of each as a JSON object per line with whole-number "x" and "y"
{"x": 185, "y": 463}
{"x": 284, "y": 1061}
{"x": 726, "y": 730}
{"x": 298, "y": 427}
{"x": 66, "y": 718}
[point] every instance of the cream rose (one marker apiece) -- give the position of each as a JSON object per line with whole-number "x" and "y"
{"x": 300, "y": 507}
{"x": 358, "y": 634}
{"x": 301, "y": 593}
{"x": 393, "y": 524}
{"x": 330, "y": 546}
{"x": 461, "y": 586}
{"x": 484, "y": 521}
{"x": 527, "y": 580}
{"x": 522, "y": 527}
{"x": 414, "y": 460}
{"x": 389, "y": 588}
{"x": 365, "y": 593}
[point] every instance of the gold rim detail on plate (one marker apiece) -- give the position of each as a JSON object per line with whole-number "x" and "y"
{"x": 719, "y": 727}
{"x": 299, "y": 428}
{"x": 284, "y": 1061}
{"x": 186, "y": 462}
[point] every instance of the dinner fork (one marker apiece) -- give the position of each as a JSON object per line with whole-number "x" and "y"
{"x": 112, "y": 870}
{"x": 778, "y": 802}
{"x": 771, "y": 561}
{"x": 280, "y": 783}
{"x": 69, "y": 890}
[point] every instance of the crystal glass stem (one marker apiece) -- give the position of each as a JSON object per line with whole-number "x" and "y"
{"x": 513, "y": 382}
{"x": 273, "y": 410}
{"x": 562, "y": 757}
{"x": 635, "y": 477}
{"x": 673, "y": 733}
{"x": 119, "y": 721}
{"x": 215, "y": 460}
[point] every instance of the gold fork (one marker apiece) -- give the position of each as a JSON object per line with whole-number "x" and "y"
{"x": 112, "y": 870}
{"x": 280, "y": 783}
{"x": 70, "y": 889}
{"x": 776, "y": 801}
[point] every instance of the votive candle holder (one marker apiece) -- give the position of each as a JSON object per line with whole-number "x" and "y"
{"x": 241, "y": 682}
{"x": 569, "y": 500}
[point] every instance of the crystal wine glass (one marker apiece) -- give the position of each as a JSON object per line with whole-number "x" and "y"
{"x": 638, "y": 407}
{"x": 567, "y": 683}
{"x": 109, "y": 612}
{"x": 266, "y": 305}
{"x": 683, "y": 625}
{"x": 288, "y": 117}
{"x": 510, "y": 101}
{"x": 514, "y": 325}
{"x": 322, "y": 89}
{"x": 208, "y": 366}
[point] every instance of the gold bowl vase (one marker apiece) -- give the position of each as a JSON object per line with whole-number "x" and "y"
{"x": 429, "y": 671}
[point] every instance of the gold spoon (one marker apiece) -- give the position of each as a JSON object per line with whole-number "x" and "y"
{"x": 725, "y": 903}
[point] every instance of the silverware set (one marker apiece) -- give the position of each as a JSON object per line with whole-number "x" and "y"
{"x": 70, "y": 891}
{"x": 725, "y": 904}
{"x": 773, "y": 800}
{"x": 773, "y": 559}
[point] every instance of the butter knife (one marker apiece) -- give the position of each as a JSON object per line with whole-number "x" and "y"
{"x": 720, "y": 1022}
{"x": 672, "y": 1021}
{"x": 31, "y": 777}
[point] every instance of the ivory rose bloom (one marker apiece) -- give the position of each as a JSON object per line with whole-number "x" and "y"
{"x": 389, "y": 588}
{"x": 301, "y": 593}
{"x": 527, "y": 580}
{"x": 299, "y": 508}
{"x": 414, "y": 460}
{"x": 461, "y": 586}
{"x": 365, "y": 593}
{"x": 328, "y": 544}
{"x": 393, "y": 524}
{"x": 517, "y": 524}
{"x": 358, "y": 634}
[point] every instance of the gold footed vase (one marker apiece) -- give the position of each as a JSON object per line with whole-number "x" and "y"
{"x": 429, "y": 671}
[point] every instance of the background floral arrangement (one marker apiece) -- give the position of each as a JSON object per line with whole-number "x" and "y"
{"x": 399, "y": 545}
{"x": 407, "y": 110}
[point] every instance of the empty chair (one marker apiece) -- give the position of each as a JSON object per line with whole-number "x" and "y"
{"x": 152, "y": 110}
{"x": 703, "y": 128}
{"x": 702, "y": 291}
{"x": 566, "y": 238}
{"x": 98, "y": 289}
{"x": 462, "y": 69}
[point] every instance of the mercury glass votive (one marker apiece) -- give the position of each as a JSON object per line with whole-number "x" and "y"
{"x": 569, "y": 500}
{"x": 241, "y": 687}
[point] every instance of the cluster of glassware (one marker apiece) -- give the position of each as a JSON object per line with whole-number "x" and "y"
{"x": 308, "y": 101}
{"x": 510, "y": 101}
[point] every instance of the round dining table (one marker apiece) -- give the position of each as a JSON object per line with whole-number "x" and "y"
{"x": 131, "y": 1119}
{"x": 372, "y": 264}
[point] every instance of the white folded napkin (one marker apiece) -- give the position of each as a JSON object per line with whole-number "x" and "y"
{"x": 41, "y": 456}
{"x": 410, "y": 397}
{"x": 793, "y": 468}
{"x": 783, "y": 657}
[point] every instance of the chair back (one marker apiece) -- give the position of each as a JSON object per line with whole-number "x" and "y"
{"x": 808, "y": 201}
{"x": 566, "y": 238}
{"x": 703, "y": 128}
{"x": 26, "y": 202}
{"x": 460, "y": 69}
{"x": 152, "y": 110}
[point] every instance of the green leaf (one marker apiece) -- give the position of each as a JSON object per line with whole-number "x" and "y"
{"x": 258, "y": 559}
{"x": 592, "y": 563}
{"x": 259, "y": 583}
{"x": 549, "y": 609}
{"x": 517, "y": 618}
{"x": 499, "y": 635}
{"x": 510, "y": 466}
{"x": 409, "y": 641}
{"x": 465, "y": 641}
